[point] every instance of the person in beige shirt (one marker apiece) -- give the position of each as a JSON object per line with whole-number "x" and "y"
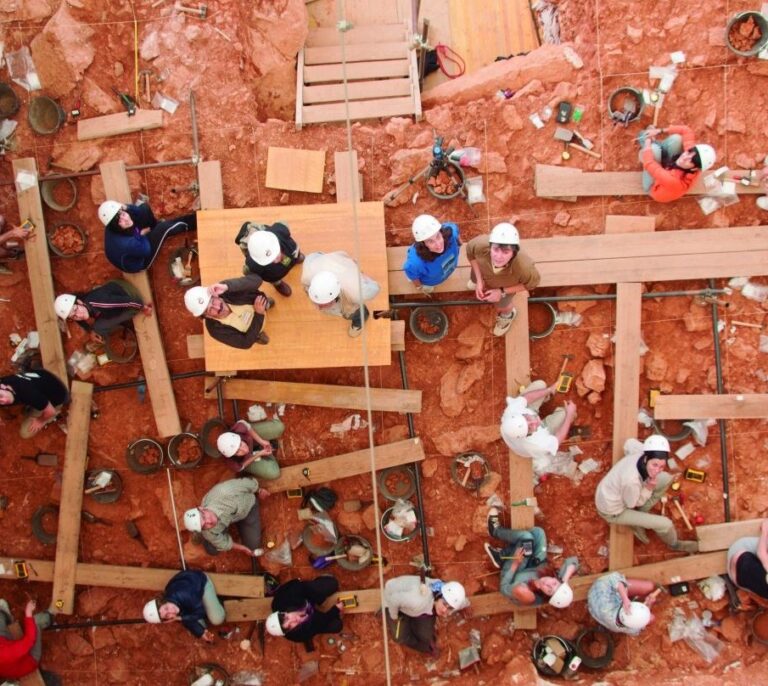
{"x": 499, "y": 270}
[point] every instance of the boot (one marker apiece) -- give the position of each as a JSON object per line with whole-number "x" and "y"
{"x": 263, "y": 339}
{"x": 640, "y": 534}
{"x": 282, "y": 288}
{"x": 504, "y": 323}
{"x": 494, "y": 554}
{"x": 494, "y": 520}
{"x": 686, "y": 546}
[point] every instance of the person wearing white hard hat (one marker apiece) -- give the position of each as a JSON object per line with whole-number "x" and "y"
{"x": 335, "y": 284}
{"x": 40, "y": 392}
{"x": 525, "y": 433}
{"x": 671, "y": 167}
{"x": 499, "y": 270}
{"x": 526, "y": 577}
{"x": 270, "y": 252}
{"x": 413, "y": 605}
{"x": 133, "y": 235}
{"x": 234, "y": 310}
{"x": 634, "y": 484}
{"x": 190, "y": 598}
{"x": 434, "y": 255}
{"x": 296, "y": 612}
{"x": 251, "y": 447}
{"x": 229, "y": 502}
{"x": 610, "y": 603}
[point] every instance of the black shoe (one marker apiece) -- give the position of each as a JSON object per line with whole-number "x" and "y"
{"x": 263, "y": 339}
{"x": 299, "y": 259}
{"x": 282, "y": 288}
{"x": 494, "y": 554}
{"x": 494, "y": 520}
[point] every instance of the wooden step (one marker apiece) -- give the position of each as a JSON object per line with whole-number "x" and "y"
{"x": 739, "y": 406}
{"x": 362, "y": 52}
{"x": 357, "y": 71}
{"x": 356, "y": 90}
{"x": 358, "y": 109}
{"x": 383, "y": 33}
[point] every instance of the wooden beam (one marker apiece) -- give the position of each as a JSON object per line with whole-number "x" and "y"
{"x": 319, "y": 395}
{"x": 34, "y": 678}
{"x": 39, "y": 270}
{"x": 348, "y": 182}
{"x": 720, "y": 536}
{"x": 738, "y": 406}
{"x": 158, "y": 378}
{"x": 369, "y": 600}
{"x": 357, "y": 71}
{"x": 68, "y": 535}
{"x": 626, "y": 223}
{"x": 358, "y": 109}
{"x": 397, "y": 335}
{"x": 118, "y": 124}
{"x": 211, "y": 188}
{"x": 292, "y": 169}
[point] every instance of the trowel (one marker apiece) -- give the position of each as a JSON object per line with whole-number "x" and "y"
{"x": 134, "y": 533}
{"x": 43, "y": 459}
{"x": 567, "y": 136}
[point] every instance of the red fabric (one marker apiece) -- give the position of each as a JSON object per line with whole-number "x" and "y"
{"x": 670, "y": 184}
{"x": 15, "y": 660}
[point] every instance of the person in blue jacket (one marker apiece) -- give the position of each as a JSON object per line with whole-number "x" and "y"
{"x": 190, "y": 598}
{"x": 133, "y": 236}
{"x": 434, "y": 255}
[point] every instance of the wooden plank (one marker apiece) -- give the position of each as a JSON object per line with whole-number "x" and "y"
{"x": 383, "y": 33}
{"x": 550, "y": 172}
{"x": 320, "y": 395}
{"x": 397, "y": 331}
{"x": 292, "y": 169}
{"x": 39, "y": 270}
{"x": 348, "y": 186}
{"x": 720, "y": 536}
{"x": 627, "y": 223}
{"x": 68, "y": 535}
{"x": 356, "y": 90}
{"x": 358, "y": 109}
{"x": 357, "y": 71}
{"x": 34, "y": 678}
{"x": 158, "y": 378}
{"x": 299, "y": 89}
{"x": 118, "y": 124}
{"x": 739, "y": 406}
{"x": 211, "y": 187}
{"x": 360, "y": 52}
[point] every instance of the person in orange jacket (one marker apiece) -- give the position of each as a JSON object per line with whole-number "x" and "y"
{"x": 19, "y": 657}
{"x": 671, "y": 167}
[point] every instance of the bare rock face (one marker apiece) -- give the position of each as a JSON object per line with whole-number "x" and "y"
{"x": 593, "y": 375}
{"x": 511, "y": 117}
{"x": 451, "y": 401}
{"x": 406, "y": 163}
{"x": 62, "y": 51}
{"x": 466, "y": 438}
{"x": 93, "y": 601}
{"x": 77, "y": 645}
{"x": 480, "y": 520}
{"x": 98, "y": 100}
{"x": 493, "y": 163}
{"x": 440, "y": 118}
{"x": 76, "y": 156}
{"x": 598, "y": 344}
{"x": 275, "y": 30}
{"x": 496, "y": 649}
{"x": 469, "y": 375}
{"x": 26, "y": 10}
{"x": 519, "y": 671}
{"x": 742, "y": 350}
{"x": 656, "y": 366}
{"x": 429, "y": 467}
{"x": 490, "y": 486}
{"x": 471, "y": 342}
{"x": 579, "y": 306}
{"x": 350, "y": 521}
{"x": 396, "y": 127}
{"x": 369, "y": 517}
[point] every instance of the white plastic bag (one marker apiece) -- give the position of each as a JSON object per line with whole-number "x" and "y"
{"x": 474, "y": 186}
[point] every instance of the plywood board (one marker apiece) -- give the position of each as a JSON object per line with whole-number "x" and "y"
{"x": 300, "y": 336}
{"x": 211, "y": 188}
{"x": 292, "y": 169}
{"x": 720, "y": 536}
{"x": 397, "y": 332}
{"x": 348, "y": 182}
{"x": 118, "y": 124}
{"x": 623, "y": 223}
{"x": 739, "y": 406}
{"x": 68, "y": 534}
{"x": 39, "y": 270}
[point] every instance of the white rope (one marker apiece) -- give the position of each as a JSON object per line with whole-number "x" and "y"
{"x": 175, "y": 519}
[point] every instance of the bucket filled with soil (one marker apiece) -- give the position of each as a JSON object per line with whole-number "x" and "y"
{"x": 59, "y": 194}
{"x": 359, "y": 553}
{"x": 542, "y": 318}
{"x": 747, "y": 33}
{"x": 428, "y": 324}
{"x": 321, "y": 536}
{"x": 67, "y": 240}
{"x": 209, "y": 435}
{"x": 209, "y": 673}
{"x": 185, "y": 451}
{"x": 144, "y": 456}
{"x": 121, "y": 345}
{"x": 45, "y": 115}
{"x": 9, "y": 101}
{"x": 470, "y": 470}
{"x": 103, "y": 485}
{"x": 397, "y": 483}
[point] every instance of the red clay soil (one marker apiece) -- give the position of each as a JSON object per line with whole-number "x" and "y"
{"x": 243, "y": 107}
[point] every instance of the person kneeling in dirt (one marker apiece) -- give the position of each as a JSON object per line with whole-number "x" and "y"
{"x": 499, "y": 270}
{"x": 748, "y": 563}
{"x": 523, "y": 430}
{"x": 670, "y": 168}
{"x": 190, "y": 598}
{"x": 296, "y": 609}
{"x": 413, "y": 605}
{"x": 133, "y": 235}
{"x": 229, "y": 502}
{"x": 270, "y": 252}
{"x": 102, "y": 310}
{"x": 333, "y": 282}
{"x": 11, "y": 243}
{"x": 234, "y": 310}
{"x": 610, "y": 603}
{"x": 633, "y": 486}
{"x": 238, "y": 447}
{"x": 41, "y": 392}
{"x": 20, "y": 657}
{"x": 435, "y": 254}
{"x": 526, "y": 577}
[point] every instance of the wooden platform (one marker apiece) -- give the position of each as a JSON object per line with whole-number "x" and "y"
{"x": 301, "y": 337}
{"x": 720, "y": 536}
{"x": 741, "y": 406}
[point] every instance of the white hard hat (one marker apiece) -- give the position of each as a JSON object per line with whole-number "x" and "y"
{"x": 656, "y": 443}
{"x": 263, "y": 247}
{"x": 562, "y": 597}
{"x": 638, "y": 617}
{"x": 324, "y": 288}
{"x": 514, "y": 425}
{"x": 108, "y": 211}
{"x": 193, "y": 520}
{"x": 273, "y": 625}
{"x": 197, "y": 300}
{"x": 425, "y": 226}
{"x": 707, "y": 155}
{"x": 228, "y": 443}
{"x": 454, "y": 594}
{"x": 505, "y": 234}
{"x": 151, "y": 612}
{"x": 63, "y": 305}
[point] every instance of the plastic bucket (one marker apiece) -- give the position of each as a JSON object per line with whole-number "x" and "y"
{"x": 66, "y": 239}
{"x": 551, "y": 317}
{"x": 342, "y": 548}
{"x": 216, "y": 672}
{"x": 428, "y": 324}
{"x": 121, "y": 345}
{"x": 210, "y": 433}
{"x": 115, "y": 487}
{"x": 45, "y": 115}
{"x": 139, "y": 462}
{"x": 397, "y": 483}
{"x": 9, "y": 101}
{"x": 737, "y": 19}
{"x": 185, "y": 457}
{"x": 617, "y": 100}
{"x": 312, "y": 541}
{"x": 468, "y": 481}
{"x": 398, "y": 539}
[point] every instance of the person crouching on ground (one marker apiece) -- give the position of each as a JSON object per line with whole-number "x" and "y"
{"x": 190, "y": 598}
{"x": 413, "y": 605}
{"x": 270, "y": 252}
{"x": 499, "y": 270}
{"x": 42, "y": 394}
{"x": 12, "y": 242}
{"x": 251, "y": 447}
{"x": 633, "y": 486}
{"x": 671, "y": 167}
{"x": 234, "y": 310}
{"x": 20, "y": 657}
{"x": 133, "y": 235}
{"x": 609, "y": 602}
{"x": 296, "y": 609}
{"x": 434, "y": 255}
{"x": 748, "y": 563}
{"x": 526, "y": 577}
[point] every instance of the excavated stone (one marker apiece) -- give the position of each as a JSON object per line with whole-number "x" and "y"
{"x": 466, "y": 438}
{"x": 742, "y": 350}
{"x": 579, "y": 306}
{"x": 391, "y": 434}
{"x": 406, "y": 163}
{"x": 422, "y": 139}
{"x": 350, "y": 521}
{"x": 77, "y": 645}
{"x": 480, "y": 520}
{"x": 469, "y": 375}
{"x": 429, "y": 467}
{"x": 93, "y": 601}
{"x": 512, "y": 118}
{"x": 594, "y": 398}
{"x": 451, "y": 401}
{"x": 460, "y": 543}
{"x": 593, "y": 375}
{"x": 441, "y": 118}
{"x": 490, "y": 486}
{"x": 273, "y": 33}
{"x": 76, "y": 156}
{"x": 396, "y": 127}
{"x": 561, "y": 218}
{"x": 656, "y": 366}
{"x": 492, "y": 163}
{"x": 98, "y": 100}
{"x": 369, "y": 517}
{"x": 496, "y": 649}
{"x": 27, "y": 10}
{"x": 598, "y": 344}
{"x": 471, "y": 341}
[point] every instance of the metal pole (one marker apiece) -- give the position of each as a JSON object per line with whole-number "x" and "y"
{"x": 95, "y": 622}
{"x": 195, "y": 142}
{"x": 93, "y": 172}
{"x": 133, "y": 384}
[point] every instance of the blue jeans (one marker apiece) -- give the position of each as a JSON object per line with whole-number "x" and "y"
{"x": 514, "y": 539}
{"x": 669, "y": 147}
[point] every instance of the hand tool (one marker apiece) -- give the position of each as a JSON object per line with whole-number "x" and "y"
{"x": 564, "y": 109}
{"x": 127, "y": 101}
{"x": 664, "y": 500}
{"x": 567, "y": 136}
{"x": 93, "y": 519}
{"x": 564, "y": 378}
{"x": 146, "y": 75}
{"x": 43, "y": 459}
{"x": 676, "y": 501}
{"x": 134, "y": 533}
{"x": 323, "y": 561}
{"x": 528, "y": 502}
{"x": 736, "y": 322}
{"x": 348, "y": 601}
{"x": 201, "y": 11}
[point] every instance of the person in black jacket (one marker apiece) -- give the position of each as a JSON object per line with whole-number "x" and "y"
{"x": 190, "y": 598}
{"x": 234, "y": 310}
{"x": 270, "y": 252}
{"x": 40, "y": 391}
{"x": 296, "y": 614}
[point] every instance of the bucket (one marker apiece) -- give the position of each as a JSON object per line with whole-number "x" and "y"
{"x": 397, "y": 483}
{"x": 428, "y": 324}
{"x": 185, "y": 451}
{"x": 473, "y": 477}
{"x": 398, "y": 539}
{"x": 121, "y": 345}
{"x": 737, "y": 43}
{"x": 66, "y": 239}
{"x": 216, "y": 673}
{"x": 66, "y": 191}
{"x": 314, "y": 542}
{"x": 620, "y": 102}
{"x": 344, "y": 544}
{"x": 111, "y": 493}
{"x": 9, "y": 101}
{"x": 760, "y": 626}
{"x": 45, "y": 115}
{"x": 144, "y": 456}
{"x": 210, "y": 433}
{"x": 550, "y": 318}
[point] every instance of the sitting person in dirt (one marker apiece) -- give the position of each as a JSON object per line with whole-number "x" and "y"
{"x": 270, "y": 252}
{"x": 12, "y": 242}
{"x": 610, "y": 603}
{"x": 234, "y": 310}
{"x": 527, "y": 579}
{"x": 21, "y": 656}
{"x": 251, "y": 447}
{"x": 42, "y": 394}
{"x": 297, "y": 613}
{"x": 748, "y": 564}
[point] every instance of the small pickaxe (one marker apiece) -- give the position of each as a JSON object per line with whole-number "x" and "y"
{"x": 677, "y": 500}
{"x": 201, "y": 11}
